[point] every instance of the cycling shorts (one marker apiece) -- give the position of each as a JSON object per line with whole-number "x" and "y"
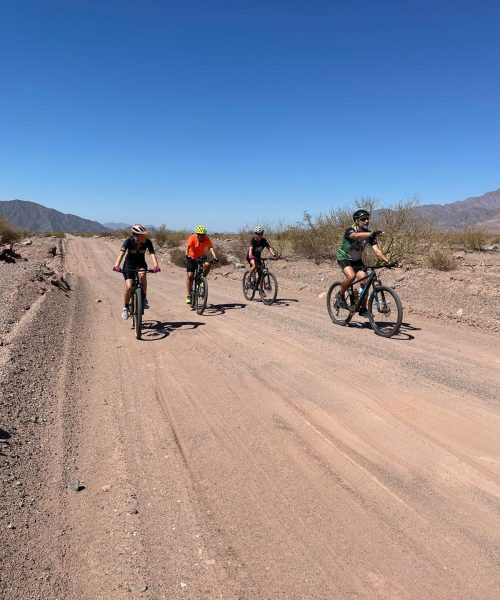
{"x": 257, "y": 259}
{"x": 357, "y": 265}
{"x": 191, "y": 264}
{"x": 129, "y": 270}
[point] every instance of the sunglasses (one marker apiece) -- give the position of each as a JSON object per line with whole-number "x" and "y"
{"x": 364, "y": 220}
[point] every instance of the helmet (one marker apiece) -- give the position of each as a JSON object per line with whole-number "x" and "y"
{"x": 200, "y": 229}
{"x": 258, "y": 229}
{"x": 139, "y": 230}
{"x": 360, "y": 214}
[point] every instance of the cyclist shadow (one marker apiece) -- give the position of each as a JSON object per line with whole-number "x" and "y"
{"x": 283, "y": 301}
{"x": 158, "y": 330}
{"x": 214, "y": 310}
{"x": 403, "y": 334}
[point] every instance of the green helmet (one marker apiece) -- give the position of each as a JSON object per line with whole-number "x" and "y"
{"x": 200, "y": 229}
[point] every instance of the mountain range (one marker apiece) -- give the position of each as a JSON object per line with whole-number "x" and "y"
{"x": 34, "y": 217}
{"x": 481, "y": 211}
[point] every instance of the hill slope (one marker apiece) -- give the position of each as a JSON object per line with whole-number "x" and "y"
{"x": 35, "y": 217}
{"x": 483, "y": 211}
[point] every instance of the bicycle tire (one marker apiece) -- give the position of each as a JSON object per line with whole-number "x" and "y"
{"x": 248, "y": 292}
{"x": 340, "y": 316}
{"x": 131, "y": 310}
{"x": 138, "y": 313}
{"x": 384, "y": 323}
{"x": 268, "y": 288}
{"x": 201, "y": 295}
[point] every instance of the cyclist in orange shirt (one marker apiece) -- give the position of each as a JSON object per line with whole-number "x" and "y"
{"x": 196, "y": 246}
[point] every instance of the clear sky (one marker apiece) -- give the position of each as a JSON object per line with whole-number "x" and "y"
{"x": 229, "y": 113}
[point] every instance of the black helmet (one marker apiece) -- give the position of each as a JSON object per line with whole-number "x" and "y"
{"x": 360, "y": 214}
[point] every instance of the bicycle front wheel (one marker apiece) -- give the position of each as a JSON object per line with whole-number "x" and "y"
{"x": 248, "y": 286}
{"x": 340, "y": 316}
{"x": 201, "y": 295}
{"x": 268, "y": 288}
{"x": 138, "y": 313}
{"x": 385, "y": 311}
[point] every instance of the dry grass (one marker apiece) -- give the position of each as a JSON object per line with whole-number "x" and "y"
{"x": 441, "y": 260}
{"x": 8, "y": 233}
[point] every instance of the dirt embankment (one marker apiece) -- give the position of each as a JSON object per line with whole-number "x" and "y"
{"x": 252, "y": 452}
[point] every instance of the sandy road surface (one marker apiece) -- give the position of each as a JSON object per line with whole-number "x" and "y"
{"x": 270, "y": 454}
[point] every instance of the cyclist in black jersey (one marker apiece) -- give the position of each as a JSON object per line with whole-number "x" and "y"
{"x": 254, "y": 250}
{"x": 350, "y": 253}
{"x": 134, "y": 249}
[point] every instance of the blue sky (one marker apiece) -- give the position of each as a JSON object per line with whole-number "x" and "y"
{"x": 229, "y": 113}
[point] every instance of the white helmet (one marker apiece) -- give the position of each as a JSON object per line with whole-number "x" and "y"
{"x": 139, "y": 230}
{"x": 258, "y": 229}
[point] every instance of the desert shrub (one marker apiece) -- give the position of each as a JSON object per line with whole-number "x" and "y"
{"x": 407, "y": 236}
{"x": 169, "y": 238}
{"x": 222, "y": 256}
{"x": 178, "y": 257}
{"x": 471, "y": 238}
{"x": 8, "y": 233}
{"x": 441, "y": 260}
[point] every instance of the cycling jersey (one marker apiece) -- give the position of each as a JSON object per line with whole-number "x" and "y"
{"x": 135, "y": 256}
{"x": 353, "y": 249}
{"x": 257, "y": 246}
{"x": 196, "y": 248}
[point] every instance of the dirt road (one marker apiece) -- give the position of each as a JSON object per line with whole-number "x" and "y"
{"x": 262, "y": 452}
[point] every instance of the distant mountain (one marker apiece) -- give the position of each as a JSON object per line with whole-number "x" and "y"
{"x": 482, "y": 211}
{"x": 116, "y": 226}
{"x": 35, "y": 217}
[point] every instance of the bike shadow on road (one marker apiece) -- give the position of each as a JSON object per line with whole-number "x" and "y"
{"x": 159, "y": 330}
{"x": 283, "y": 301}
{"x": 214, "y": 310}
{"x": 403, "y": 335}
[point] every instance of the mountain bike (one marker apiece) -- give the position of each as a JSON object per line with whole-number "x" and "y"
{"x": 262, "y": 280}
{"x": 385, "y": 311}
{"x": 199, "y": 295}
{"x": 135, "y": 307}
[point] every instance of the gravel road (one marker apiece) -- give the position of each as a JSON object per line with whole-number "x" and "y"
{"x": 253, "y": 452}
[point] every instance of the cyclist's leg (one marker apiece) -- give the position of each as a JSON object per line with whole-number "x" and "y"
{"x": 349, "y": 276}
{"x": 144, "y": 281}
{"x": 360, "y": 274}
{"x": 206, "y": 268}
{"x": 128, "y": 286}
{"x": 190, "y": 267}
{"x": 253, "y": 265}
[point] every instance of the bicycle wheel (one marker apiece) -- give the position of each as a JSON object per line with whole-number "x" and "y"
{"x": 340, "y": 316}
{"x": 248, "y": 286}
{"x": 201, "y": 295}
{"x": 386, "y": 311}
{"x": 268, "y": 288}
{"x": 138, "y": 313}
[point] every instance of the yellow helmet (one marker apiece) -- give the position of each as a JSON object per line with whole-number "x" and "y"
{"x": 200, "y": 229}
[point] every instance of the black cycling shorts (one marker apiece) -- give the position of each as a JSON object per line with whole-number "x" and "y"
{"x": 357, "y": 265}
{"x": 191, "y": 264}
{"x": 257, "y": 259}
{"x": 129, "y": 270}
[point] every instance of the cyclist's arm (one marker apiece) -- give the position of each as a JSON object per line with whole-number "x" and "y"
{"x": 154, "y": 259}
{"x": 360, "y": 235}
{"x": 213, "y": 253}
{"x": 379, "y": 254}
{"x": 119, "y": 258}
{"x": 273, "y": 251}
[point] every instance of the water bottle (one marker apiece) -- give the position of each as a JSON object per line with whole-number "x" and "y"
{"x": 354, "y": 295}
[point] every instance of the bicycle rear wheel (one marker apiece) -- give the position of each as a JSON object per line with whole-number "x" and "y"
{"x": 340, "y": 316}
{"x": 201, "y": 295}
{"x": 268, "y": 288}
{"x": 385, "y": 311}
{"x": 248, "y": 286}
{"x": 138, "y": 313}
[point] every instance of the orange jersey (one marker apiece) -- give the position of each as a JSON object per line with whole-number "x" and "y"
{"x": 196, "y": 247}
